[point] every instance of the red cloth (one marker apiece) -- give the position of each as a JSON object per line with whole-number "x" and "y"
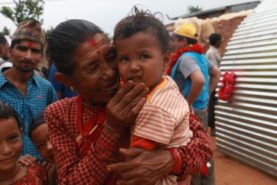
{"x": 143, "y": 143}
{"x": 73, "y": 168}
{"x": 226, "y": 90}
{"x": 192, "y": 48}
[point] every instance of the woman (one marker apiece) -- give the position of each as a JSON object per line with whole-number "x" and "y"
{"x": 88, "y": 130}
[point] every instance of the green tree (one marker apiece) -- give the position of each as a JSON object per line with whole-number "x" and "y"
{"x": 193, "y": 9}
{"x": 23, "y": 10}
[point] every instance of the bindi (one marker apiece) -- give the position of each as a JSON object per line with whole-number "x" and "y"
{"x": 92, "y": 42}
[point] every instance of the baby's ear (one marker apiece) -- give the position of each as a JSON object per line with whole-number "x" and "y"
{"x": 166, "y": 58}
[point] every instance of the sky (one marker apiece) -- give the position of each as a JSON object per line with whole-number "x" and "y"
{"x": 106, "y": 13}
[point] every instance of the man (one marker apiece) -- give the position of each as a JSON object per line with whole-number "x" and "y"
{"x": 213, "y": 56}
{"x": 212, "y": 53}
{"x": 4, "y": 47}
{"x": 196, "y": 78}
{"x": 25, "y": 91}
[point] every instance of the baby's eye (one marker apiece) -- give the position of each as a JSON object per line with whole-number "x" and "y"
{"x": 143, "y": 57}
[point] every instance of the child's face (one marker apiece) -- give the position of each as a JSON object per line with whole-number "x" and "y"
{"x": 40, "y": 138}
{"x": 10, "y": 144}
{"x": 140, "y": 58}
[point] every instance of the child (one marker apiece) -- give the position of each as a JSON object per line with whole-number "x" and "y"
{"x": 142, "y": 43}
{"x": 40, "y": 137}
{"x": 10, "y": 150}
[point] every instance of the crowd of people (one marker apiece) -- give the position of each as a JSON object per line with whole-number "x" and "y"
{"x": 109, "y": 111}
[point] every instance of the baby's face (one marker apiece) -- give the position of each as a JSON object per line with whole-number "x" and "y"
{"x": 40, "y": 138}
{"x": 140, "y": 58}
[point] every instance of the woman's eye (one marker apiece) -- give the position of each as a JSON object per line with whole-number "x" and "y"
{"x": 93, "y": 68}
{"x": 123, "y": 59}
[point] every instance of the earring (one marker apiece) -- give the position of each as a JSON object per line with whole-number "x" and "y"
{"x": 71, "y": 88}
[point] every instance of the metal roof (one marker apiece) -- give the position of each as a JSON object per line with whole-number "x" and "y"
{"x": 206, "y": 12}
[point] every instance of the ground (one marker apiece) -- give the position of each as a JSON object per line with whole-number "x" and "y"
{"x": 230, "y": 171}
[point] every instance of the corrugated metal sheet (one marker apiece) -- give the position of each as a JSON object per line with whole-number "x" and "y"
{"x": 247, "y": 125}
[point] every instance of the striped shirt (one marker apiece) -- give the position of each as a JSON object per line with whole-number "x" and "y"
{"x": 165, "y": 116}
{"x": 40, "y": 93}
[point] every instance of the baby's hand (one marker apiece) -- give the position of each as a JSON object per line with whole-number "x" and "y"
{"x": 27, "y": 160}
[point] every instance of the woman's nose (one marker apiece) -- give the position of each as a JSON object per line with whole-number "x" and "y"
{"x": 108, "y": 72}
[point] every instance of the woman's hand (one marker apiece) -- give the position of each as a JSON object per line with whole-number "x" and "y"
{"x": 142, "y": 167}
{"x": 124, "y": 107}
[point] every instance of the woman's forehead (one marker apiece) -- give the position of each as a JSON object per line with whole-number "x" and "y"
{"x": 93, "y": 44}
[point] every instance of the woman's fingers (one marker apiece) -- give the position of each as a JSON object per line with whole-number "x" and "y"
{"x": 132, "y": 95}
{"x": 122, "y": 92}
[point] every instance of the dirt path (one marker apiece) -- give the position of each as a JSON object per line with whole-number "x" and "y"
{"x": 230, "y": 171}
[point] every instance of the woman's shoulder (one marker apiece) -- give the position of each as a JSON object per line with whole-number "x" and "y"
{"x": 62, "y": 105}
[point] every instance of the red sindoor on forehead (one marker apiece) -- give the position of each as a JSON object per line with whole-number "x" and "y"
{"x": 30, "y": 44}
{"x": 92, "y": 42}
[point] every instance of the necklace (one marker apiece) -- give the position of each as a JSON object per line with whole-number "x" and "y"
{"x": 192, "y": 48}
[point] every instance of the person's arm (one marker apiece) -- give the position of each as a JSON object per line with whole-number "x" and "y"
{"x": 214, "y": 78}
{"x": 145, "y": 167}
{"x": 189, "y": 69}
{"x": 197, "y": 82}
{"x": 92, "y": 168}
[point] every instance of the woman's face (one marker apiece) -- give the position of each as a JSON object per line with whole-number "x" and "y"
{"x": 10, "y": 144}
{"x": 95, "y": 75}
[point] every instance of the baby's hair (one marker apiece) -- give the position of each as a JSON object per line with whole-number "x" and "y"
{"x": 6, "y": 112}
{"x": 37, "y": 121}
{"x": 142, "y": 21}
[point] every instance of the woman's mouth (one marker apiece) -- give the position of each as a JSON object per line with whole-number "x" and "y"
{"x": 111, "y": 89}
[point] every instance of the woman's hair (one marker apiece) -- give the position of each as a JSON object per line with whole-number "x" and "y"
{"x": 141, "y": 21}
{"x": 65, "y": 39}
{"x": 7, "y": 112}
{"x": 37, "y": 121}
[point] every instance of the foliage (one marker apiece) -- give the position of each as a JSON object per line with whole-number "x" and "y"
{"x": 24, "y": 10}
{"x": 193, "y": 9}
{"x": 6, "y": 31}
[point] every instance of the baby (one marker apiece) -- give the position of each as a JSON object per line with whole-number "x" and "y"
{"x": 141, "y": 42}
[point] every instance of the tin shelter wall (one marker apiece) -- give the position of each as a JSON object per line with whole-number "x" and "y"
{"x": 246, "y": 125}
